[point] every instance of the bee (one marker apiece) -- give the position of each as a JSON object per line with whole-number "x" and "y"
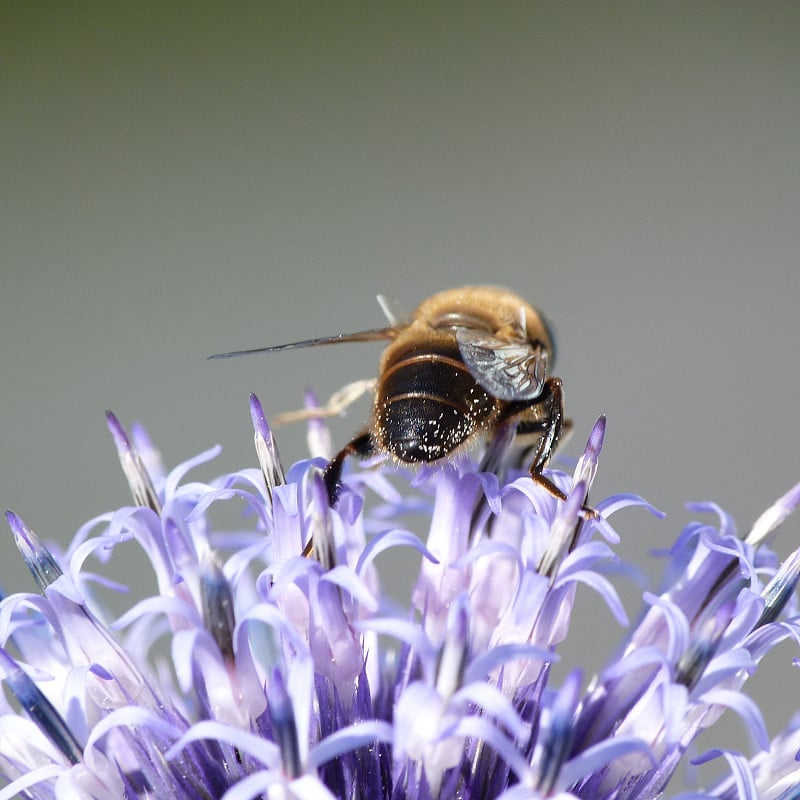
{"x": 471, "y": 365}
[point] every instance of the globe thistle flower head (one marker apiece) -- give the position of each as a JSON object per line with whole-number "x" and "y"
{"x": 269, "y": 662}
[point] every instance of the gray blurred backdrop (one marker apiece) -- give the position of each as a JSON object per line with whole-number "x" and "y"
{"x": 180, "y": 179}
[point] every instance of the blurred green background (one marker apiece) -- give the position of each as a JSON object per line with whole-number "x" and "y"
{"x": 180, "y": 179}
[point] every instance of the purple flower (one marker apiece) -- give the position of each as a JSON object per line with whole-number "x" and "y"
{"x": 269, "y": 663}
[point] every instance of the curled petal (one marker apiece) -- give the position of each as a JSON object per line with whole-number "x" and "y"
{"x": 18, "y": 787}
{"x": 740, "y": 768}
{"x": 176, "y": 475}
{"x": 490, "y": 660}
{"x": 484, "y": 731}
{"x": 494, "y": 704}
{"x": 385, "y": 541}
{"x": 745, "y": 708}
{"x": 616, "y": 502}
{"x": 263, "y": 751}
{"x": 602, "y": 586}
{"x": 361, "y": 734}
{"x": 593, "y": 759}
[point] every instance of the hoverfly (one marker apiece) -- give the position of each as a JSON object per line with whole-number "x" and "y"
{"x": 472, "y": 364}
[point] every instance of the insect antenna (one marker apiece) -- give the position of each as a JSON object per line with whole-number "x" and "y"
{"x": 371, "y": 335}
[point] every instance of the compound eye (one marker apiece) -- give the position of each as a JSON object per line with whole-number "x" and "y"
{"x": 510, "y": 370}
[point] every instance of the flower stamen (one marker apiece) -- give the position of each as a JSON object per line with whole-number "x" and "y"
{"x": 141, "y": 485}
{"x": 266, "y": 448}
{"x": 40, "y": 709}
{"x": 40, "y": 562}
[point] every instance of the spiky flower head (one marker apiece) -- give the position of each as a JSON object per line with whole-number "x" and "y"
{"x": 269, "y": 663}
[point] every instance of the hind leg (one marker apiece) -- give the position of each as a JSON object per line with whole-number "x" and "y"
{"x": 545, "y": 419}
{"x": 361, "y": 445}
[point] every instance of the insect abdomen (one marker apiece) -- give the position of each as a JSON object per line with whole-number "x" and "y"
{"x": 428, "y": 404}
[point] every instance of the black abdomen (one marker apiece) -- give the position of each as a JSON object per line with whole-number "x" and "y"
{"x": 428, "y": 404}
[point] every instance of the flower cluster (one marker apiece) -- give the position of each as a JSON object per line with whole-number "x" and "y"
{"x": 270, "y": 664}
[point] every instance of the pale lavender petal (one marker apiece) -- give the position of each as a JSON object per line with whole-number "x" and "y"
{"x": 488, "y": 734}
{"x": 602, "y": 586}
{"x": 593, "y": 759}
{"x": 168, "y": 606}
{"x": 403, "y": 631}
{"x": 745, "y": 708}
{"x": 727, "y": 527}
{"x": 617, "y": 502}
{"x": 675, "y": 704}
{"x": 484, "y": 664}
{"x": 385, "y": 541}
{"x": 561, "y": 533}
{"x": 318, "y": 436}
{"x": 774, "y": 516}
{"x": 129, "y": 717}
{"x": 212, "y": 496}
{"x": 263, "y": 751}
{"x": 635, "y": 660}
{"x": 762, "y": 640}
{"x": 742, "y": 774}
{"x": 585, "y": 557}
{"x": 256, "y": 785}
{"x": 346, "y": 579}
{"x": 176, "y": 475}
{"x": 677, "y": 625}
{"x": 36, "y": 776}
{"x": 291, "y": 572}
{"x": 100, "y": 521}
{"x": 90, "y": 547}
{"x": 259, "y": 784}
{"x": 354, "y": 736}
{"x": 523, "y": 792}
{"x": 494, "y": 704}
{"x": 151, "y": 457}
{"x": 723, "y": 667}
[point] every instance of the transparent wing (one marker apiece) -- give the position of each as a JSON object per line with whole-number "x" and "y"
{"x": 514, "y": 370}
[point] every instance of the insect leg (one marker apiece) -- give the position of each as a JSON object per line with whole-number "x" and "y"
{"x": 361, "y": 445}
{"x": 337, "y": 404}
{"x": 541, "y": 423}
{"x": 553, "y": 396}
{"x": 551, "y": 427}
